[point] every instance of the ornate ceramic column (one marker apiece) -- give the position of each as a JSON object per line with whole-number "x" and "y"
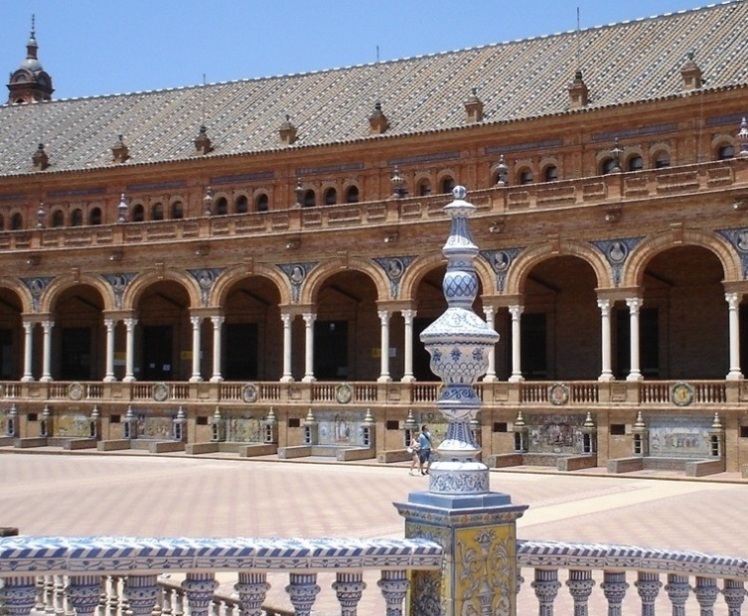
{"x": 287, "y": 320}
{"x": 196, "y": 321}
{"x": 384, "y": 346}
{"x": 217, "y": 322}
{"x": 476, "y": 527}
{"x": 408, "y": 316}
{"x": 28, "y": 346}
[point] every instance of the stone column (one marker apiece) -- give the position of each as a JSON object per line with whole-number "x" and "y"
{"x": 472, "y": 524}
{"x": 490, "y": 377}
{"x": 217, "y": 323}
{"x": 28, "y": 348}
{"x": 130, "y": 350}
{"x": 607, "y": 373}
{"x": 309, "y": 319}
{"x": 733, "y": 303}
{"x": 516, "y": 312}
{"x": 47, "y": 361}
{"x": 196, "y": 321}
{"x": 634, "y": 304}
{"x": 384, "y": 346}
{"x": 109, "y": 376}
{"x": 287, "y": 321}
{"x": 408, "y": 316}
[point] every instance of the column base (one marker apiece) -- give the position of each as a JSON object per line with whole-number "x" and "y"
{"x": 734, "y": 375}
{"x": 408, "y": 379}
{"x": 516, "y": 378}
{"x": 45, "y": 379}
{"x": 128, "y": 379}
{"x": 286, "y": 379}
{"x": 109, "y": 379}
{"x": 27, "y": 379}
{"x": 196, "y": 379}
{"x": 606, "y": 378}
{"x": 490, "y": 378}
{"x": 384, "y": 379}
{"x": 308, "y": 379}
{"x": 635, "y": 377}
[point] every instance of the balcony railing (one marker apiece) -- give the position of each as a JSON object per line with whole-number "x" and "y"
{"x": 114, "y": 575}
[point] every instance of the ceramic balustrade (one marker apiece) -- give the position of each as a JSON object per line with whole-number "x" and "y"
{"x": 114, "y": 576}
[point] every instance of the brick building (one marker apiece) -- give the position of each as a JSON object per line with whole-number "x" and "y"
{"x": 274, "y": 244}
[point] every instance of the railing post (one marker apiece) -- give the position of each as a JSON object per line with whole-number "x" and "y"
{"x": 302, "y": 590}
{"x": 142, "y": 593}
{"x": 580, "y": 585}
{"x": 349, "y": 587}
{"x": 734, "y": 593}
{"x": 394, "y": 585}
{"x": 19, "y": 594}
{"x": 252, "y": 588}
{"x": 84, "y": 592}
{"x": 199, "y": 588}
{"x": 678, "y": 589}
{"x": 648, "y": 585}
{"x": 614, "y": 588}
{"x": 546, "y": 587}
{"x": 706, "y": 594}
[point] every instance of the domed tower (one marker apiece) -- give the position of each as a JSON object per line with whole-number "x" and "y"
{"x": 29, "y": 83}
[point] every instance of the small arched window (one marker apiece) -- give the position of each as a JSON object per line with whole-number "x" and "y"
{"x": 351, "y": 194}
{"x": 550, "y": 173}
{"x": 177, "y": 210}
{"x": 94, "y": 216}
{"x": 447, "y": 184}
{"x": 76, "y": 217}
{"x": 607, "y": 165}
{"x": 58, "y": 218}
{"x": 636, "y": 163}
{"x": 424, "y": 188}
{"x": 262, "y": 204}
{"x": 310, "y": 199}
{"x": 661, "y": 160}
{"x": 525, "y": 176}
{"x": 331, "y": 196}
{"x": 16, "y": 221}
{"x": 138, "y": 213}
{"x": 241, "y": 205}
{"x": 222, "y": 206}
{"x": 725, "y": 151}
{"x": 157, "y": 212}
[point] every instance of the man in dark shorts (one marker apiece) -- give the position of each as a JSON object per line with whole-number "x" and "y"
{"x": 424, "y": 450}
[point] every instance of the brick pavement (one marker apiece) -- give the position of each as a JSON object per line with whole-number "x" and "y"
{"x": 144, "y": 495}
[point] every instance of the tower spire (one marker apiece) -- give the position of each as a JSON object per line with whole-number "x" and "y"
{"x": 29, "y": 83}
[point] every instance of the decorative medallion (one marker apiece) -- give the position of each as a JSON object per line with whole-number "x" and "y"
{"x": 682, "y": 394}
{"x": 249, "y": 393}
{"x": 75, "y": 391}
{"x": 160, "y": 392}
{"x": 558, "y": 394}
{"x": 343, "y": 393}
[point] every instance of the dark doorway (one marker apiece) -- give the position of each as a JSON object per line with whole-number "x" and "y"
{"x": 157, "y": 353}
{"x": 533, "y": 336}
{"x": 421, "y": 358}
{"x": 75, "y": 359}
{"x": 6, "y": 354}
{"x": 331, "y": 350}
{"x": 240, "y": 362}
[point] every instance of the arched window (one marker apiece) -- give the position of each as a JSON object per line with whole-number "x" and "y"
{"x": 447, "y": 184}
{"x": 636, "y": 163}
{"x": 16, "y": 221}
{"x": 157, "y": 212}
{"x": 351, "y": 194}
{"x": 138, "y": 213}
{"x": 222, "y": 206}
{"x": 550, "y": 173}
{"x": 525, "y": 176}
{"x": 76, "y": 217}
{"x": 177, "y": 210}
{"x": 262, "y": 204}
{"x": 661, "y": 160}
{"x": 58, "y": 218}
{"x": 2, "y": 222}
{"x": 424, "y": 188}
{"x": 241, "y": 205}
{"x": 310, "y": 199}
{"x": 331, "y": 196}
{"x": 607, "y": 165}
{"x": 94, "y": 216}
{"x": 725, "y": 151}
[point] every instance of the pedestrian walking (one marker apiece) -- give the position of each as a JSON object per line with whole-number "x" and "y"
{"x": 424, "y": 450}
{"x": 413, "y": 451}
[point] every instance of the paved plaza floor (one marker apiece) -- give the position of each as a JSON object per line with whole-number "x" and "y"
{"x": 165, "y": 495}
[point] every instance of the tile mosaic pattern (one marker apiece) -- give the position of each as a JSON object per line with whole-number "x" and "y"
{"x": 622, "y": 63}
{"x": 103, "y": 555}
{"x": 560, "y": 555}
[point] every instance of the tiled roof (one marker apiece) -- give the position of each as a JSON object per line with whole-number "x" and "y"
{"x": 621, "y": 63}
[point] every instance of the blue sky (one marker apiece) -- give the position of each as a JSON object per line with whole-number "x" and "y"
{"x": 93, "y": 47}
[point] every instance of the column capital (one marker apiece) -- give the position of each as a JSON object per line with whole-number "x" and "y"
{"x": 634, "y": 303}
{"x": 516, "y": 310}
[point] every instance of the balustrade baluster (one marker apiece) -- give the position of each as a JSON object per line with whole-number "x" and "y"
{"x": 394, "y": 585}
{"x": 706, "y": 592}
{"x": 614, "y": 588}
{"x": 580, "y": 585}
{"x": 20, "y": 595}
{"x": 302, "y": 591}
{"x": 678, "y": 589}
{"x": 199, "y": 589}
{"x": 178, "y": 602}
{"x": 142, "y": 593}
{"x": 60, "y": 596}
{"x": 49, "y": 594}
{"x": 734, "y": 593}
{"x": 252, "y": 588}
{"x": 84, "y": 593}
{"x": 114, "y": 595}
{"x": 349, "y": 587}
{"x": 166, "y": 599}
{"x": 648, "y": 585}
{"x": 546, "y": 587}
{"x": 39, "y": 606}
{"x": 101, "y": 609}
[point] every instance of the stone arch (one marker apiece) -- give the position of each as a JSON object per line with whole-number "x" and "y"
{"x": 228, "y": 278}
{"x": 135, "y": 289}
{"x": 63, "y": 283}
{"x": 20, "y": 289}
{"x": 523, "y": 264}
{"x": 640, "y": 256}
{"x": 416, "y": 271}
{"x": 318, "y": 275}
